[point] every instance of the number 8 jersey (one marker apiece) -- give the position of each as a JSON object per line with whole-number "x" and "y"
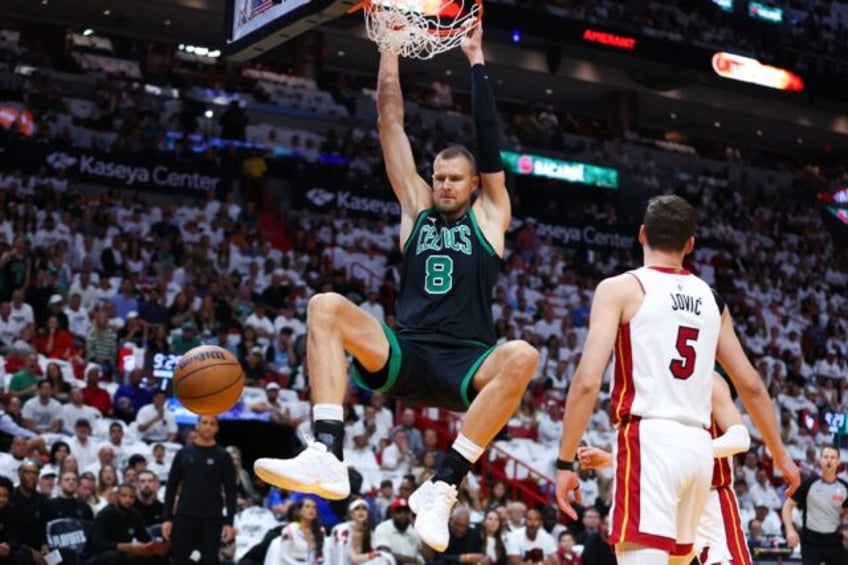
{"x": 665, "y": 355}
{"x": 448, "y": 276}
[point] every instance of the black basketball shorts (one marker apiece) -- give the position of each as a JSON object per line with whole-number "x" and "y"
{"x": 427, "y": 370}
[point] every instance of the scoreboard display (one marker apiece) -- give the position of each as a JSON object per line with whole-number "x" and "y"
{"x": 255, "y": 26}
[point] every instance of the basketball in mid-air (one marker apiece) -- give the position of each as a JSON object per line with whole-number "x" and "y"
{"x": 208, "y": 380}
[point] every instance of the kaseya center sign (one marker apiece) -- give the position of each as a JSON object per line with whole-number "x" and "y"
{"x": 557, "y": 169}
{"x": 134, "y": 172}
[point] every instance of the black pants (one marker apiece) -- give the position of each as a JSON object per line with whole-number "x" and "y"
{"x": 117, "y": 557}
{"x": 828, "y": 553}
{"x": 202, "y": 534}
{"x": 18, "y": 556}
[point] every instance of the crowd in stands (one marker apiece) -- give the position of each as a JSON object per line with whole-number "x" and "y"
{"x": 94, "y": 284}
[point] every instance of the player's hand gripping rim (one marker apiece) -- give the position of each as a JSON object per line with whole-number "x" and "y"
{"x": 567, "y": 483}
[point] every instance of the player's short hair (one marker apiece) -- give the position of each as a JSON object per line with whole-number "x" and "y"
{"x": 458, "y": 152}
{"x": 669, "y": 222}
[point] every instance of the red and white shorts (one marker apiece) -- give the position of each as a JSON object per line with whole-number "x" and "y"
{"x": 662, "y": 481}
{"x": 720, "y": 537}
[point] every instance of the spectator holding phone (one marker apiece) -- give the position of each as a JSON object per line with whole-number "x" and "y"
{"x": 155, "y": 422}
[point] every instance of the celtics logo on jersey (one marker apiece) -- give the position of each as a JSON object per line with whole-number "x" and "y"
{"x": 439, "y": 268}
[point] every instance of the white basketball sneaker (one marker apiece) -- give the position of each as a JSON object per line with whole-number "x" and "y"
{"x": 432, "y": 503}
{"x": 315, "y": 470}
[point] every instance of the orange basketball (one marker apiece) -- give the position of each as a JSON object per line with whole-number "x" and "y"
{"x": 208, "y": 380}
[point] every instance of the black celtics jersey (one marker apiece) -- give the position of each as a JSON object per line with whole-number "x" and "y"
{"x": 449, "y": 273}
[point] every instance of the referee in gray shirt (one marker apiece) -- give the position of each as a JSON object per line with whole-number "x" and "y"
{"x": 822, "y": 499}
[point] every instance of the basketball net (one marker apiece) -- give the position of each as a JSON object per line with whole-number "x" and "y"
{"x": 420, "y": 29}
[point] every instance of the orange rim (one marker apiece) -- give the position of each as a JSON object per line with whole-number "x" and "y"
{"x": 369, "y": 6}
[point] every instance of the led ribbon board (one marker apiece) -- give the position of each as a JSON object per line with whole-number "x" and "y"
{"x": 746, "y": 69}
{"x": 567, "y": 171}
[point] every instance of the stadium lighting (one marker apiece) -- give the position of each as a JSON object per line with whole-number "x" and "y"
{"x": 88, "y": 32}
{"x": 201, "y": 50}
{"x": 215, "y": 54}
{"x": 189, "y": 48}
{"x": 745, "y": 69}
{"x": 209, "y": 113}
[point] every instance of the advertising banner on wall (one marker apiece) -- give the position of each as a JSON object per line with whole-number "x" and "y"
{"x": 378, "y": 203}
{"x": 124, "y": 171}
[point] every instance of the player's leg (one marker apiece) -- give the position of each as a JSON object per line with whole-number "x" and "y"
{"x": 711, "y": 541}
{"x": 635, "y": 554}
{"x": 500, "y": 380}
{"x": 693, "y": 497}
{"x": 335, "y": 325}
{"x": 737, "y": 544}
{"x": 183, "y": 538}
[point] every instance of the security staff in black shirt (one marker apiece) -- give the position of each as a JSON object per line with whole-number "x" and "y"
{"x": 204, "y": 476}
{"x": 822, "y": 499}
{"x": 146, "y": 503}
{"x": 32, "y": 509}
{"x": 11, "y": 552}
{"x": 120, "y": 536}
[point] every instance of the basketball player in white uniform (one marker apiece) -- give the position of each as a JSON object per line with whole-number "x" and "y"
{"x": 668, "y": 328}
{"x": 720, "y": 538}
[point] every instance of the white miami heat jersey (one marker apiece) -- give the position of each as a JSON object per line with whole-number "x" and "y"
{"x": 665, "y": 355}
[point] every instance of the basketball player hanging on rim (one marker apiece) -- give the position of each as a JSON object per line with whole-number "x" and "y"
{"x": 668, "y": 328}
{"x": 443, "y": 353}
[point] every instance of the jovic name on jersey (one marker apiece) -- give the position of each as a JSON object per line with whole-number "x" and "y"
{"x": 664, "y": 356}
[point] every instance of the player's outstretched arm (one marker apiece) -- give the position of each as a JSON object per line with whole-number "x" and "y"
{"x": 604, "y": 320}
{"x": 412, "y": 192}
{"x": 750, "y": 386}
{"x": 495, "y": 204}
{"x": 735, "y": 438}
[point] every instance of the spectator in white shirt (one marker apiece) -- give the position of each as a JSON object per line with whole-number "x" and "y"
{"x": 828, "y": 367}
{"x": 158, "y": 463}
{"x": 398, "y": 457}
{"x": 260, "y": 322}
{"x": 82, "y": 446}
{"x": 396, "y": 535}
{"x": 531, "y": 544}
{"x": 361, "y": 457}
{"x": 373, "y": 307}
{"x": 763, "y": 493}
{"x": 288, "y": 319}
{"x": 105, "y": 456}
{"x": 9, "y": 462}
{"x": 10, "y": 328}
{"x": 42, "y": 413}
{"x": 21, "y": 312}
{"x": 87, "y": 290}
{"x": 155, "y": 422}
{"x": 550, "y": 423}
{"x": 79, "y": 321}
{"x": 75, "y": 410}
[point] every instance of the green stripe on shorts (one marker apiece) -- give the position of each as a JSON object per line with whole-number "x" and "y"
{"x": 469, "y": 376}
{"x": 395, "y": 356}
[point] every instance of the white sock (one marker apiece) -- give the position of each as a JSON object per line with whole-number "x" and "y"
{"x": 326, "y": 411}
{"x": 467, "y": 448}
